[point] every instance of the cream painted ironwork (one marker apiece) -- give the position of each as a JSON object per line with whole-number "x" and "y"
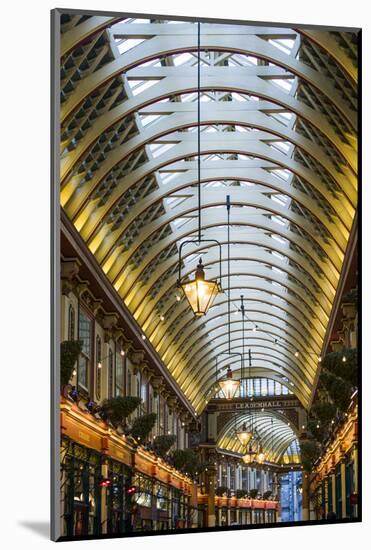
{"x": 284, "y": 435}
{"x": 279, "y": 122}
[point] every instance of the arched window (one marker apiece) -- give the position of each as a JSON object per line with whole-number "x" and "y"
{"x": 71, "y": 323}
{"x": 111, "y": 373}
{"x": 98, "y": 367}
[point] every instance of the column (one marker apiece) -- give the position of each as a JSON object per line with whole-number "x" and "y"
{"x": 194, "y": 503}
{"x": 355, "y": 479}
{"x": 104, "y": 515}
{"x": 305, "y": 501}
{"x": 210, "y": 480}
{"x": 343, "y": 490}
{"x": 326, "y": 496}
{"x": 333, "y": 477}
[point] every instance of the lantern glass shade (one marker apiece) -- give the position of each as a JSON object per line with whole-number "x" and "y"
{"x": 249, "y": 457}
{"x": 261, "y": 455}
{"x": 228, "y": 385}
{"x": 200, "y": 293}
{"x": 244, "y": 435}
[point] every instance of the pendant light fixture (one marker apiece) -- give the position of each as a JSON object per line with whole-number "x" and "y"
{"x": 261, "y": 454}
{"x": 229, "y": 385}
{"x": 199, "y": 292}
{"x": 250, "y": 455}
{"x": 244, "y": 435}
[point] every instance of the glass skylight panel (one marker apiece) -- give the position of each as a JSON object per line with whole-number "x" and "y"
{"x": 279, "y": 239}
{"x": 278, "y": 199}
{"x": 138, "y": 86}
{"x": 285, "y": 45}
{"x": 282, "y": 174}
{"x": 278, "y": 270}
{"x": 182, "y": 58}
{"x": 148, "y": 119}
{"x": 159, "y": 149}
{"x": 284, "y": 146}
{"x": 238, "y": 97}
{"x": 167, "y": 177}
{"x": 279, "y": 220}
{"x": 128, "y": 44}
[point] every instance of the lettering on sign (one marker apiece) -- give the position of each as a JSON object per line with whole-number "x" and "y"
{"x": 276, "y": 404}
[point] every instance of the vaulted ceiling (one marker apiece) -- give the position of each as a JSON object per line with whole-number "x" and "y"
{"x": 279, "y": 135}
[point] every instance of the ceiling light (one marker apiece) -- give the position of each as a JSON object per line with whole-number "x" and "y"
{"x": 228, "y": 385}
{"x": 244, "y": 435}
{"x": 200, "y": 292}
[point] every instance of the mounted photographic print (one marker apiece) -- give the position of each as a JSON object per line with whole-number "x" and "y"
{"x": 205, "y": 336}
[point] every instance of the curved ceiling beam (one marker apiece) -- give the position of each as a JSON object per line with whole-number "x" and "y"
{"x": 167, "y": 125}
{"x": 250, "y": 200}
{"x": 194, "y": 352}
{"x": 111, "y": 258}
{"x": 149, "y": 322}
{"x": 329, "y": 45}
{"x": 255, "y": 251}
{"x": 241, "y": 267}
{"x": 282, "y": 434}
{"x": 80, "y": 33}
{"x": 273, "y": 329}
{"x": 276, "y": 362}
{"x": 230, "y": 170}
{"x": 122, "y": 151}
{"x": 161, "y": 46}
{"x": 89, "y": 219}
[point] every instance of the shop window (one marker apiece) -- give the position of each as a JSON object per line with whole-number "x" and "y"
{"x": 85, "y": 334}
{"x": 98, "y": 367}
{"x": 81, "y": 496}
{"x": 117, "y": 505}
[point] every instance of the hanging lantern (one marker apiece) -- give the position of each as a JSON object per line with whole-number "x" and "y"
{"x": 200, "y": 293}
{"x": 228, "y": 385}
{"x": 244, "y": 435}
{"x": 249, "y": 456}
{"x": 261, "y": 455}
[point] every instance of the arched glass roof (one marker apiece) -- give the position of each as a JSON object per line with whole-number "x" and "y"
{"x": 279, "y": 123}
{"x": 277, "y": 435}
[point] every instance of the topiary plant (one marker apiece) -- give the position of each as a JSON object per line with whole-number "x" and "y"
{"x": 240, "y": 493}
{"x": 70, "y": 351}
{"x": 253, "y": 493}
{"x": 142, "y": 427}
{"x": 317, "y": 429}
{"x": 324, "y": 411}
{"x": 222, "y": 491}
{"x": 309, "y": 449}
{"x": 187, "y": 461}
{"x": 267, "y": 495}
{"x": 347, "y": 370}
{"x": 163, "y": 443}
{"x": 117, "y": 409}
